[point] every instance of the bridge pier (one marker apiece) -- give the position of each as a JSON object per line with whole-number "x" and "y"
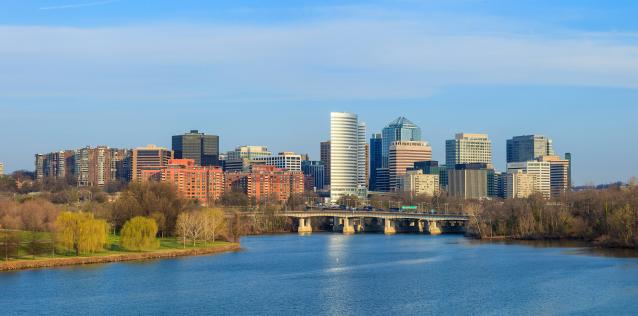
{"x": 305, "y": 226}
{"x": 388, "y": 227}
{"x": 421, "y": 224}
{"x": 348, "y": 226}
{"x": 434, "y": 228}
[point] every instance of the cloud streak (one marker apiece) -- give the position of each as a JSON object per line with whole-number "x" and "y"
{"x": 78, "y": 5}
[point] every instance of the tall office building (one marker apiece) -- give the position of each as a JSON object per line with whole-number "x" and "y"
{"x": 403, "y": 155}
{"x": 469, "y": 181}
{"x": 568, "y": 157}
{"x": 148, "y": 161}
{"x": 289, "y": 161}
{"x": 400, "y": 129}
{"x": 540, "y": 170}
{"x": 375, "y": 160}
{"x": 316, "y": 170}
{"x": 468, "y": 148}
{"x": 559, "y": 175}
{"x": 325, "y": 158}
{"x": 528, "y": 147}
{"x": 201, "y": 148}
{"x": 347, "y": 156}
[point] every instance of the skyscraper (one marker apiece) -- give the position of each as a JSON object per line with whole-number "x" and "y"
{"x": 468, "y": 148}
{"x": 148, "y": 160}
{"x": 347, "y": 156}
{"x": 400, "y": 129}
{"x": 1, "y": 169}
{"x": 316, "y": 170}
{"x": 375, "y": 159}
{"x": 403, "y": 155}
{"x": 202, "y": 148}
{"x": 528, "y": 147}
{"x": 325, "y": 158}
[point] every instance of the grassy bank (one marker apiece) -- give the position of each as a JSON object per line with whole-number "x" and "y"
{"x": 169, "y": 248}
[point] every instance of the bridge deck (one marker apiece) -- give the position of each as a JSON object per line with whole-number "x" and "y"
{"x": 383, "y": 215}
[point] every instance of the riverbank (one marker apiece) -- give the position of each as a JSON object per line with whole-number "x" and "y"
{"x": 110, "y": 257}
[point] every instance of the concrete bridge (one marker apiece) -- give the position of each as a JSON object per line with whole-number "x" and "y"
{"x": 350, "y": 222}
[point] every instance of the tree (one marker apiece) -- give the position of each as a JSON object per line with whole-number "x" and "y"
{"x": 160, "y": 219}
{"x": 181, "y": 227}
{"x": 80, "y": 232}
{"x": 214, "y": 222}
{"x": 139, "y": 233}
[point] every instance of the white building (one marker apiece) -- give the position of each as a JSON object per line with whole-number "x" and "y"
{"x": 540, "y": 170}
{"x": 1, "y": 169}
{"x": 347, "y": 156}
{"x": 468, "y": 148}
{"x": 519, "y": 185}
{"x": 285, "y": 160}
{"x": 417, "y": 183}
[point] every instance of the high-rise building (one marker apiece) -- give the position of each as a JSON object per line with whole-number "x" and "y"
{"x": 528, "y": 148}
{"x": 519, "y": 185}
{"x": 469, "y": 181}
{"x": 201, "y": 148}
{"x": 1, "y": 169}
{"x": 85, "y": 166}
{"x": 375, "y": 160}
{"x": 148, "y": 160}
{"x": 540, "y": 170}
{"x": 400, "y": 129}
{"x": 403, "y": 155}
{"x": 241, "y": 159}
{"x": 325, "y": 158}
{"x": 568, "y": 157}
{"x": 559, "y": 175}
{"x": 285, "y": 160}
{"x": 201, "y": 183}
{"x": 347, "y": 156}
{"x": 317, "y": 171}
{"x": 416, "y": 183}
{"x": 264, "y": 182}
{"x": 468, "y": 148}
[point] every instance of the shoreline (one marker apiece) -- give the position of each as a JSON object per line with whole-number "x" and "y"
{"x": 124, "y": 257}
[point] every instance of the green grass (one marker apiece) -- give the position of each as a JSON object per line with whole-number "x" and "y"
{"x": 113, "y": 247}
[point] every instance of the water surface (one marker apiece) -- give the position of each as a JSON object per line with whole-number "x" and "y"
{"x": 332, "y": 274}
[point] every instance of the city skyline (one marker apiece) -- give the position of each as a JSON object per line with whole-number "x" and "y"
{"x": 122, "y": 74}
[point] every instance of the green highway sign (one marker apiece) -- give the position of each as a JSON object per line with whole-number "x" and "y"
{"x": 412, "y": 207}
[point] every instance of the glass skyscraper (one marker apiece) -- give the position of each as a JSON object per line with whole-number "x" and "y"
{"x": 400, "y": 129}
{"x": 376, "y": 142}
{"x": 202, "y": 148}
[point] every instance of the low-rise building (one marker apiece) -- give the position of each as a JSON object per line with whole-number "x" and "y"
{"x": 202, "y": 183}
{"x": 415, "y": 182}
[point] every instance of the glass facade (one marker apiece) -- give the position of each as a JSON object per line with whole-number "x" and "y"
{"x": 202, "y": 148}
{"x": 400, "y": 129}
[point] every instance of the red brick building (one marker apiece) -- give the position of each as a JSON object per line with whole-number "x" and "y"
{"x": 266, "y": 183}
{"x": 205, "y": 184}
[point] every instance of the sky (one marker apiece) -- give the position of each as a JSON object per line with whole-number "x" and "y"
{"x": 126, "y": 73}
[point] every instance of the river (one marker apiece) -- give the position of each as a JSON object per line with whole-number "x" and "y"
{"x": 333, "y": 274}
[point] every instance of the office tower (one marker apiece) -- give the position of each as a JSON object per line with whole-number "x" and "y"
{"x": 317, "y": 171}
{"x": 468, "y": 148}
{"x": 204, "y": 184}
{"x": 559, "y": 175}
{"x": 1, "y": 169}
{"x": 540, "y": 170}
{"x": 201, "y": 148}
{"x": 433, "y": 167}
{"x": 285, "y": 160}
{"x": 241, "y": 159}
{"x": 416, "y": 183}
{"x": 375, "y": 160}
{"x": 528, "y": 147}
{"x": 325, "y": 158}
{"x": 148, "y": 161}
{"x": 403, "y": 155}
{"x": 469, "y": 181}
{"x": 347, "y": 156}
{"x": 400, "y": 129}
{"x": 568, "y": 157}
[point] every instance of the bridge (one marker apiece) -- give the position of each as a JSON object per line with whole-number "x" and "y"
{"x": 350, "y": 222}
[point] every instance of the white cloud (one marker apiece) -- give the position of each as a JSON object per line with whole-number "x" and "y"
{"x": 332, "y": 59}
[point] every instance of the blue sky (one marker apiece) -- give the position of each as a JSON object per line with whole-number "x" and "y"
{"x": 127, "y": 73}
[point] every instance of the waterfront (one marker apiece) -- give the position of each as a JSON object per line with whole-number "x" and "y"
{"x": 336, "y": 274}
